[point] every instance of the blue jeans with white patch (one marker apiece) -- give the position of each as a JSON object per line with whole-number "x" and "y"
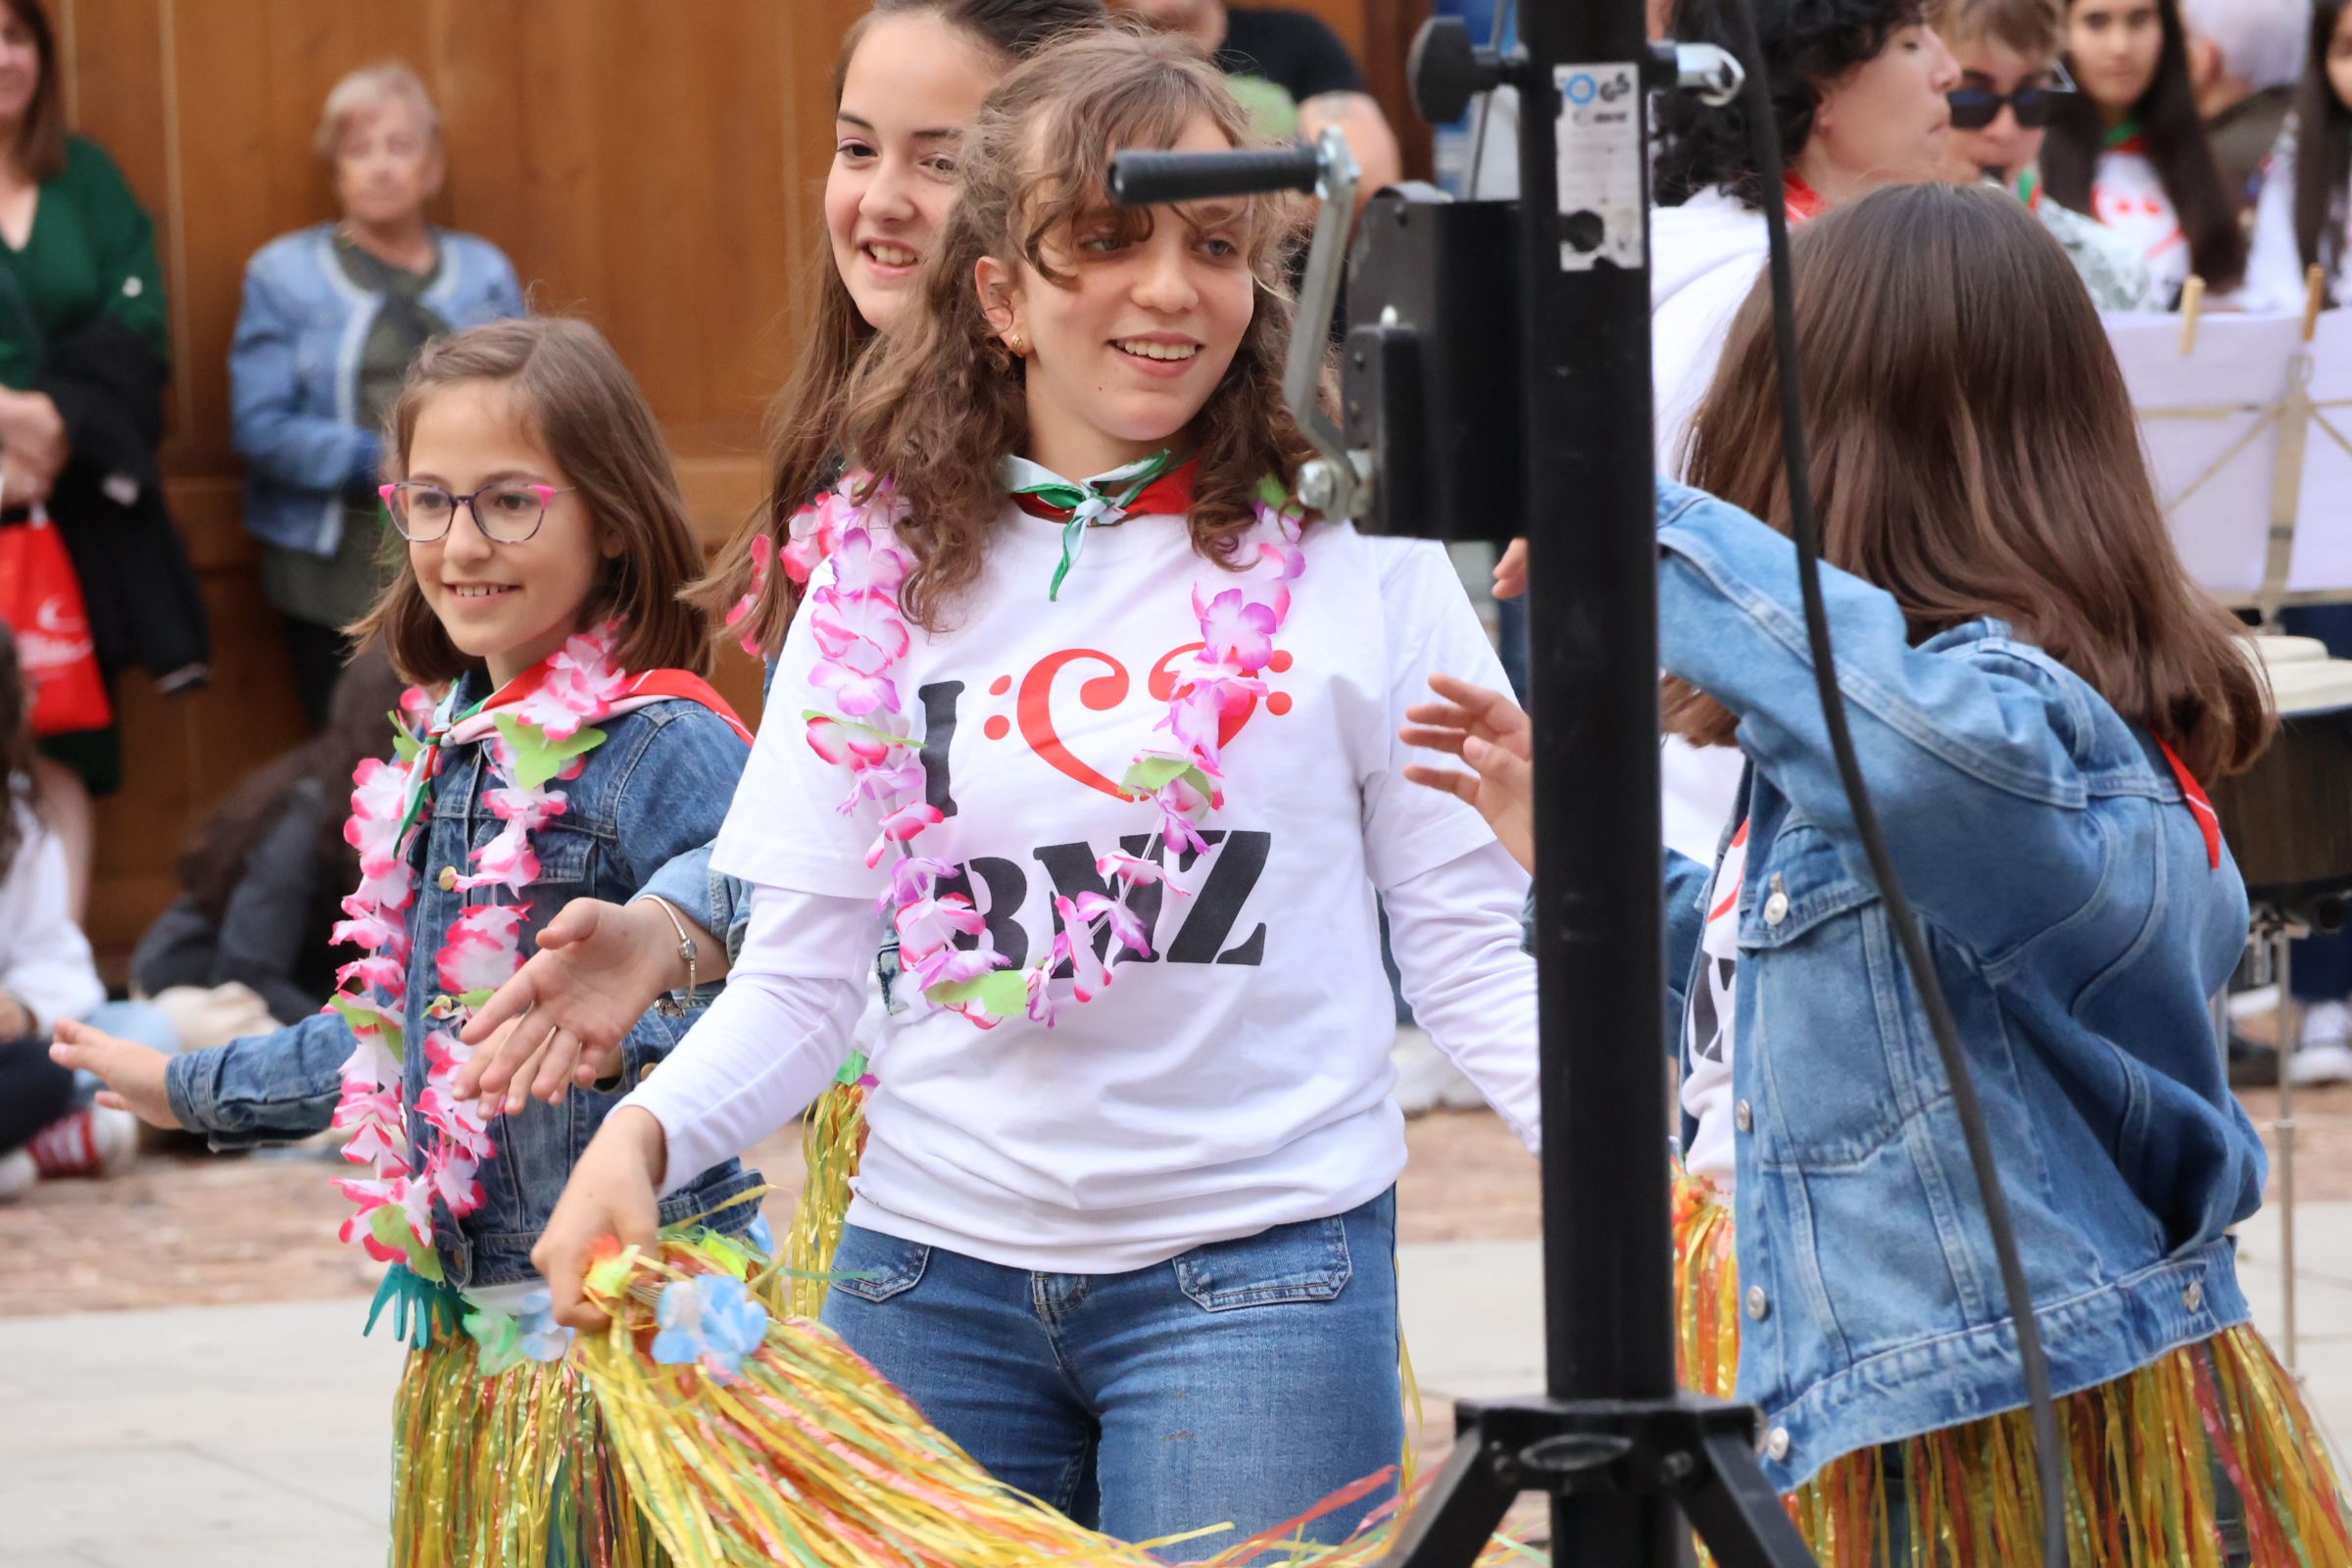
{"x": 1244, "y": 1381}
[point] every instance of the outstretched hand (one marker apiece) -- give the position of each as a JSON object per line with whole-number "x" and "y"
{"x": 1487, "y": 730}
{"x": 1510, "y": 572}
{"x": 133, "y": 1073}
{"x": 563, "y": 1020}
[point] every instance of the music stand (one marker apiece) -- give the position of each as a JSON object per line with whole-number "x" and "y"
{"x": 2247, "y": 422}
{"x": 2249, "y": 436}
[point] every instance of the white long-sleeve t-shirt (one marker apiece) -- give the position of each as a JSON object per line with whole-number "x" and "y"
{"x": 1237, "y": 1080}
{"x": 2275, "y": 272}
{"x": 45, "y": 961}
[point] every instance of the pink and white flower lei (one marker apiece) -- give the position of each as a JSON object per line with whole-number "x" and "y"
{"x": 861, "y": 635}
{"x": 481, "y": 950}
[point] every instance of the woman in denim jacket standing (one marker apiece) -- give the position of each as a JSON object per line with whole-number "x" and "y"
{"x": 2035, "y": 689}
{"x": 334, "y": 316}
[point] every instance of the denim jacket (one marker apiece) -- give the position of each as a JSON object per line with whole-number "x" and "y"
{"x": 719, "y": 902}
{"x": 2080, "y": 920}
{"x": 294, "y": 373}
{"x": 656, "y": 788}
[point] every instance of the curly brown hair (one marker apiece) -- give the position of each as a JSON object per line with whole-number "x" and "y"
{"x": 938, "y": 403}
{"x": 801, "y": 453}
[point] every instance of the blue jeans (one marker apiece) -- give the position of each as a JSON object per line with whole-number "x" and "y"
{"x": 2321, "y": 970}
{"x": 1242, "y": 1381}
{"x": 1510, "y": 641}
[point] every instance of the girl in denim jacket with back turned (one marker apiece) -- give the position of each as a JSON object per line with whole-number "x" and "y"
{"x": 332, "y": 317}
{"x": 2036, "y": 690}
{"x": 575, "y": 750}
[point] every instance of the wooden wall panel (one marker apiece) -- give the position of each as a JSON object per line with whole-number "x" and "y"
{"x": 654, "y": 168}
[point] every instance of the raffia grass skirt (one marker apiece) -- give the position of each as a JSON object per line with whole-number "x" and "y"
{"x": 2151, "y": 1458}
{"x": 513, "y": 1470}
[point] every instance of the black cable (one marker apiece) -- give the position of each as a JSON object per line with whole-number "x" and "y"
{"x": 1806, "y": 528}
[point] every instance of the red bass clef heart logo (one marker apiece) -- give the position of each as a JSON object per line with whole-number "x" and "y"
{"x": 1104, "y": 691}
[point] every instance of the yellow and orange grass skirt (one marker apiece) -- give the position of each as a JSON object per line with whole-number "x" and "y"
{"x": 514, "y": 1469}
{"x": 807, "y": 1456}
{"x": 2141, "y": 1453}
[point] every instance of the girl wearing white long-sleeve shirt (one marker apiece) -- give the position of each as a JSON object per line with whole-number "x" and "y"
{"x": 47, "y": 974}
{"x": 1109, "y": 1239}
{"x": 2304, "y": 219}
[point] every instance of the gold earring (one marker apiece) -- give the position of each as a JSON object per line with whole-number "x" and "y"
{"x": 1019, "y": 344}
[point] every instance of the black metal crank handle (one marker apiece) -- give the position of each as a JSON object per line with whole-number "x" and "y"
{"x": 1152, "y": 179}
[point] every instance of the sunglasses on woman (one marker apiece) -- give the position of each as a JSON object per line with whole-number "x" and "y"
{"x": 2036, "y": 104}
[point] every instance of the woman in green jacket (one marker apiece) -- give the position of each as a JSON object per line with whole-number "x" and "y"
{"x": 84, "y": 359}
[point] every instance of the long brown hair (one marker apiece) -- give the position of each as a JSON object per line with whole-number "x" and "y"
{"x": 357, "y": 726}
{"x": 2323, "y": 151}
{"x": 584, "y": 406}
{"x": 16, "y": 793}
{"x": 938, "y": 403}
{"x": 2177, "y": 148}
{"x": 42, "y": 138}
{"x": 803, "y": 421}
{"x": 1974, "y": 453}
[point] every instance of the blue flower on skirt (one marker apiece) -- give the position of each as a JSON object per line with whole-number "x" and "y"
{"x": 711, "y": 1321}
{"x": 543, "y": 1338}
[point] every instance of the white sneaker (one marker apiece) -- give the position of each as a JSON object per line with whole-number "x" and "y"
{"x": 2327, "y": 1023}
{"x": 2258, "y": 1003}
{"x": 2325, "y": 1063}
{"x": 1426, "y": 1079}
{"x": 18, "y": 1174}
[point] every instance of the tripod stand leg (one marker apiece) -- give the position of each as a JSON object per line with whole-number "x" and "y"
{"x": 1464, "y": 1508}
{"x": 1736, "y": 1512}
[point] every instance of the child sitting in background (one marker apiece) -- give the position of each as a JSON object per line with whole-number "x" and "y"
{"x": 241, "y": 952}
{"x": 47, "y": 973}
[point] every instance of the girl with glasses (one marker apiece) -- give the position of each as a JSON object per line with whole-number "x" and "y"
{"x": 2129, "y": 150}
{"x": 561, "y": 744}
{"x": 2011, "y": 85}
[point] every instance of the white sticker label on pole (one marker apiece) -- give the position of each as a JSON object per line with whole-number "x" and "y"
{"x": 1601, "y": 149}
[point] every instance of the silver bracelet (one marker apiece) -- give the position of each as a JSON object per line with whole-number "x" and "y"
{"x": 670, "y": 1006}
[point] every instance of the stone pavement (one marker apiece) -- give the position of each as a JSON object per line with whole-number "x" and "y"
{"x": 257, "y": 1434}
{"x": 186, "y": 1229}
{"x": 248, "y": 1436}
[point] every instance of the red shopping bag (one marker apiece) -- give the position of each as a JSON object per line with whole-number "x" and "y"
{"x": 41, "y": 600}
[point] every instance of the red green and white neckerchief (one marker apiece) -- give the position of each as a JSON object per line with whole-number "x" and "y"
{"x": 863, "y": 637}
{"x": 1102, "y": 501}
{"x": 539, "y": 728}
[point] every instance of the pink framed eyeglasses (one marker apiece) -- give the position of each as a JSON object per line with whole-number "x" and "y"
{"x": 507, "y": 513}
